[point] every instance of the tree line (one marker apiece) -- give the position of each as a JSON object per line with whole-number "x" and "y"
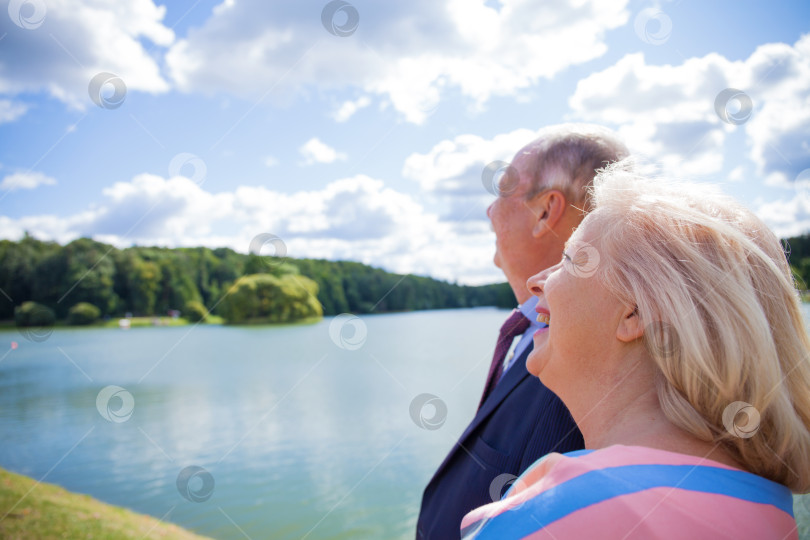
{"x": 797, "y": 249}
{"x": 147, "y": 281}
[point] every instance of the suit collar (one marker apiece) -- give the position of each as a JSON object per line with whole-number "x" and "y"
{"x": 513, "y": 376}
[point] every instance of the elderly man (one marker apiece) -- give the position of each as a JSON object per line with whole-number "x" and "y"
{"x": 542, "y": 199}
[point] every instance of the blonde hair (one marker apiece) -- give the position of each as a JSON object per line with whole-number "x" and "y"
{"x": 721, "y": 312}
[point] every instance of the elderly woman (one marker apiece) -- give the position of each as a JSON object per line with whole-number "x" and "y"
{"x": 675, "y": 339}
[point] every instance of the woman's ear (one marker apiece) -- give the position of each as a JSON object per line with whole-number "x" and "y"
{"x": 630, "y": 327}
{"x": 548, "y": 208}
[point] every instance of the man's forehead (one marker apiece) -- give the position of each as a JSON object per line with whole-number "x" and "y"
{"x": 524, "y": 162}
{"x": 529, "y": 151}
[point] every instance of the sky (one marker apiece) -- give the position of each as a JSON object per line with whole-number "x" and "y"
{"x": 362, "y": 130}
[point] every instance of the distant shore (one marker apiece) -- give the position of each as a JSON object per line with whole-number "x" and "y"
{"x": 115, "y": 322}
{"x": 154, "y": 322}
{"x": 167, "y": 321}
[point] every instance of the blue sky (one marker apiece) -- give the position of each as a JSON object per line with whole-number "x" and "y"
{"x": 250, "y": 117}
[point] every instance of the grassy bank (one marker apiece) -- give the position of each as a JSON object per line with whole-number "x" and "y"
{"x": 135, "y": 322}
{"x": 141, "y": 322}
{"x": 30, "y": 511}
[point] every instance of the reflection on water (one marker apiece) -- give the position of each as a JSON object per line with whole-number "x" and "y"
{"x": 302, "y": 438}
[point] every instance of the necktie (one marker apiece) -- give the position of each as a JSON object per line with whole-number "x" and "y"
{"x": 515, "y": 325}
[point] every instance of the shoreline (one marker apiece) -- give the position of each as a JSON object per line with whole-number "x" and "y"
{"x": 148, "y": 322}
{"x": 34, "y": 510}
{"x": 212, "y": 320}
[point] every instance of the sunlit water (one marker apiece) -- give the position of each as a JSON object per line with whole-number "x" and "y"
{"x": 302, "y": 438}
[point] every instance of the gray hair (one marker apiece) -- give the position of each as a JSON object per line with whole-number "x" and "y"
{"x": 566, "y": 157}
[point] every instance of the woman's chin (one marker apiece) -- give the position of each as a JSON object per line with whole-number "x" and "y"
{"x": 535, "y": 361}
{"x": 534, "y": 364}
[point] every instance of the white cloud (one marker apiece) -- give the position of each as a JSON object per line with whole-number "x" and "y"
{"x": 348, "y": 108}
{"x": 779, "y": 129}
{"x": 11, "y": 110}
{"x": 667, "y": 112}
{"x": 270, "y": 161}
{"x": 151, "y": 207}
{"x": 25, "y": 180}
{"x": 787, "y": 218}
{"x": 76, "y": 41}
{"x": 46, "y": 227}
{"x": 737, "y": 174}
{"x": 456, "y": 165}
{"x": 407, "y": 54}
{"x": 316, "y": 151}
{"x": 354, "y": 218}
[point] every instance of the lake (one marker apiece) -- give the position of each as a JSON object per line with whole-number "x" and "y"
{"x": 319, "y": 431}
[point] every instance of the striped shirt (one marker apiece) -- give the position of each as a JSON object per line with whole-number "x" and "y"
{"x": 635, "y": 492}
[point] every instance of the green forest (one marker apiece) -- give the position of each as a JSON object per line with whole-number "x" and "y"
{"x": 86, "y": 280}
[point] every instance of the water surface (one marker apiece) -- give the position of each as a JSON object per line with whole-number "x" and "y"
{"x": 302, "y": 438}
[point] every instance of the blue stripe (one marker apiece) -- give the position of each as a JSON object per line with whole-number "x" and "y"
{"x": 579, "y": 453}
{"x": 573, "y": 453}
{"x": 601, "y": 485}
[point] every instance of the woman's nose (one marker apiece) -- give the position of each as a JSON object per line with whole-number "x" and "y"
{"x": 537, "y": 282}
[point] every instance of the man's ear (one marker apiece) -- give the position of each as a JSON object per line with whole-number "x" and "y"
{"x": 548, "y": 209}
{"x": 630, "y": 327}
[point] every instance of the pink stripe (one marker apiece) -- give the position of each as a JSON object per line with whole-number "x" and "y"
{"x": 669, "y": 514}
{"x": 618, "y": 455}
{"x": 530, "y": 483}
{"x": 555, "y": 469}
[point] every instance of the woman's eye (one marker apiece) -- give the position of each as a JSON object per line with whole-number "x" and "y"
{"x": 565, "y": 257}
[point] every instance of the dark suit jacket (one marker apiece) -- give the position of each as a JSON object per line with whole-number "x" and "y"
{"x": 520, "y": 422}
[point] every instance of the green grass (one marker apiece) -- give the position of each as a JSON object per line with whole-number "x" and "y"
{"x": 144, "y": 322}
{"x": 135, "y": 322}
{"x": 138, "y": 322}
{"x": 30, "y": 511}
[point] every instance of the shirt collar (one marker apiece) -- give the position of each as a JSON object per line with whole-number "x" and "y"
{"x": 527, "y": 309}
